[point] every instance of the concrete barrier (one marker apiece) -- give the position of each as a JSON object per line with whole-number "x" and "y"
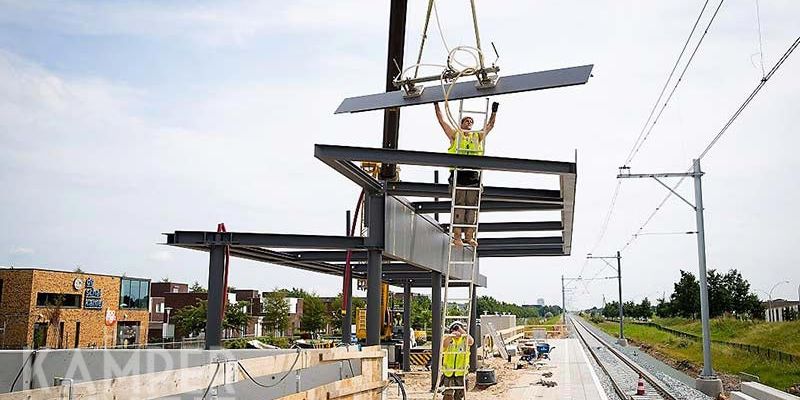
{"x": 763, "y": 392}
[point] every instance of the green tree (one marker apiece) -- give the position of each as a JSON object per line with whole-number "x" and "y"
{"x": 315, "y": 316}
{"x": 276, "y": 313}
{"x": 685, "y": 298}
{"x": 664, "y": 309}
{"x": 197, "y": 288}
{"x": 719, "y": 294}
{"x": 297, "y": 292}
{"x": 421, "y": 312}
{"x": 644, "y": 309}
{"x": 235, "y": 317}
{"x": 191, "y": 320}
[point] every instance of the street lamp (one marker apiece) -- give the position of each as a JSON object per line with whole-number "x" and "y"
{"x": 166, "y": 323}
{"x": 770, "y": 296}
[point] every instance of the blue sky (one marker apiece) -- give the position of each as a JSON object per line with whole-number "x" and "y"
{"x": 123, "y": 120}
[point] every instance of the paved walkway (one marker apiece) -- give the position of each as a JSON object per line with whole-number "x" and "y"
{"x": 571, "y": 370}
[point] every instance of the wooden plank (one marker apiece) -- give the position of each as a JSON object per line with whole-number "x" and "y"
{"x": 352, "y": 355}
{"x": 335, "y": 394}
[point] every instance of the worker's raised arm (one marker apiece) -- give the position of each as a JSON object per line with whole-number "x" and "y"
{"x": 490, "y": 124}
{"x": 447, "y": 340}
{"x": 448, "y": 130}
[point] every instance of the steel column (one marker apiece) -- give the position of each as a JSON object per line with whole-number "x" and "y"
{"x": 436, "y": 329}
{"x": 407, "y": 327}
{"x": 563, "y": 302}
{"x": 391, "y": 116}
{"x": 619, "y": 284}
{"x": 374, "y": 297}
{"x": 375, "y": 208}
{"x": 216, "y": 295}
{"x": 708, "y": 371}
{"x": 473, "y": 330}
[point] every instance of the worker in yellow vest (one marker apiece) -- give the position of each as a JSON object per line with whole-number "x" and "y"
{"x": 465, "y": 141}
{"x": 455, "y": 360}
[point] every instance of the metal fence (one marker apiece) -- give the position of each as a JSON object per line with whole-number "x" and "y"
{"x": 770, "y": 354}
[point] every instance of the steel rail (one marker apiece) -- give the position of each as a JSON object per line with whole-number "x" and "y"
{"x": 657, "y": 386}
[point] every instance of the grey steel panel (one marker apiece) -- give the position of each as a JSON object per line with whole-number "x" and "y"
{"x": 327, "y": 153}
{"x": 568, "y": 185}
{"x": 420, "y": 241}
{"x": 466, "y": 89}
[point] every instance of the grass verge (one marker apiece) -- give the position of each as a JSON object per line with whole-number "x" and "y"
{"x": 726, "y": 359}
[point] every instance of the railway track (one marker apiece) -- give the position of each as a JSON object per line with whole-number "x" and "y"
{"x": 621, "y": 371}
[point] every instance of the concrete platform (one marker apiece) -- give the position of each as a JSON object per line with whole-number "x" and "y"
{"x": 572, "y": 371}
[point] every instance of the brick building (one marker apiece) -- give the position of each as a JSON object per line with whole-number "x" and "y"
{"x": 60, "y": 309}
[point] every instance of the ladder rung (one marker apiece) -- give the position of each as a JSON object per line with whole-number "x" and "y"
{"x": 459, "y": 299}
{"x": 473, "y": 112}
{"x": 468, "y": 207}
{"x": 465, "y": 225}
{"x": 462, "y": 262}
{"x": 460, "y": 281}
{"x": 456, "y": 316}
{"x": 467, "y": 169}
{"x": 468, "y": 188}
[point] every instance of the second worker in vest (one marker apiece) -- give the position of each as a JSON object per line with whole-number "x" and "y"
{"x": 455, "y": 360}
{"x": 463, "y": 140}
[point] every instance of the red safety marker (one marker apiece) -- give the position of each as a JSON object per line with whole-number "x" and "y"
{"x": 640, "y": 386}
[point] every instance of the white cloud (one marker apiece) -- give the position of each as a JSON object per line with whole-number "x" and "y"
{"x": 212, "y": 23}
{"x": 21, "y": 251}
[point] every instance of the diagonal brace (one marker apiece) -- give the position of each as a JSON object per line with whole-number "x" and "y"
{"x": 675, "y": 193}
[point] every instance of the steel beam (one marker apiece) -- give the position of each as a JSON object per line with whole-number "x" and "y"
{"x": 216, "y": 296}
{"x": 429, "y": 207}
{"x": 247, "y": 239}
{"x": 329, "y": 153}
{"x": 516, "y": 226}
{"x": 536, "y": 252}
{"x": 516, "y": 242}
{"x": 422, "y": 189}
{"x": 466, "y": 89}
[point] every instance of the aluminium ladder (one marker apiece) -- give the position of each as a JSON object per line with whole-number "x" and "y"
{"x": 460, "y": 308}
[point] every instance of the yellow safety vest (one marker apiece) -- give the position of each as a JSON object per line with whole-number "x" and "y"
{"x": 469, "y": 143}
{"x": 456, "y": 363}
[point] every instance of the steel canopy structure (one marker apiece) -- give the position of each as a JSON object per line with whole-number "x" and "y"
{"x": 404, "y": 244}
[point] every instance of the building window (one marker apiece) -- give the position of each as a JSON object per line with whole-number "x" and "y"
{"x": 135, "y": 293}
{"x": 56, "y": 299}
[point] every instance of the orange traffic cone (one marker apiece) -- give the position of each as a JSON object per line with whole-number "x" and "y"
{"x": 640, "y": 386}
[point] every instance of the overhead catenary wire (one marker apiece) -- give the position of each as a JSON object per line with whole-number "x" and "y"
{"x": 637, "y": 145}
{"x": 666, "y": 83}
{"x": 750, "y": 98}
{"x": 636, "y": 149}
{"x": 719, "y": 134}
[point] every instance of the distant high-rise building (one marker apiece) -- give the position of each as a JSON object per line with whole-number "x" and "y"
{"x": 540, "y": 301}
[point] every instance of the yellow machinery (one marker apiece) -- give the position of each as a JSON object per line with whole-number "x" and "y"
{"x": 386, "y": 320}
